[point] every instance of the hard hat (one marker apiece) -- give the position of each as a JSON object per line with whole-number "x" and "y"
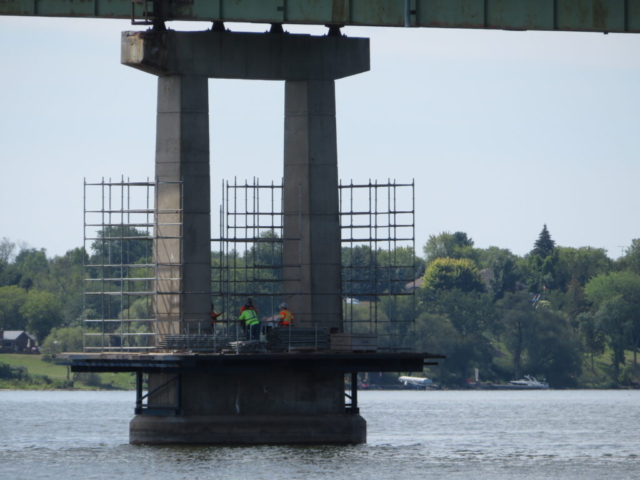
{"x": 283, "y": 305}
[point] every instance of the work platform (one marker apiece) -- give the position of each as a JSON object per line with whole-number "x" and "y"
{"x": 254, "y": 362}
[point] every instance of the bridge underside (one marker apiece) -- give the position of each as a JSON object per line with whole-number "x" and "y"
{"x": 559, "y": 15}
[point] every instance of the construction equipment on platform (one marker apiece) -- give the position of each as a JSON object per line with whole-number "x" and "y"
{"x": 288, "y": 339}
{"x": 246, "y": 346}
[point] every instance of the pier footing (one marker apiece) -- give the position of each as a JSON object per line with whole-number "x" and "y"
{"x": 248, "y": 430}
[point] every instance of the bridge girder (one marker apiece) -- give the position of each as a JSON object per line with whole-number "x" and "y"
{"x": 548, "y": 15}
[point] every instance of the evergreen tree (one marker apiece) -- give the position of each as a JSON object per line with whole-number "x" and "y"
{"x": 544, "y": 245}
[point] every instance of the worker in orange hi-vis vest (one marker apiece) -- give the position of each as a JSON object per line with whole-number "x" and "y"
{"x": 214, "y": 315}
{"x": 286, "y": 317}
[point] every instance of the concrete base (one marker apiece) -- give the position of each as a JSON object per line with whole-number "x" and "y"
{"x": 248, "y": 430}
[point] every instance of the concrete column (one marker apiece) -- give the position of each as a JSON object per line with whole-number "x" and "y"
{"x": 183, "y": 246}
{"x": 311, "y": 253}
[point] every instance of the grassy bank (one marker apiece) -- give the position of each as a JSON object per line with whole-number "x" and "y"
{"x": 31, "y": 372}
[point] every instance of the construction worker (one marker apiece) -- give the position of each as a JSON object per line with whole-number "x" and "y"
{"x": 248, "y": 305}
{"x": 214, "y": 316}
{"x": 286, "y": 317}
{"x": 249, "y": 317}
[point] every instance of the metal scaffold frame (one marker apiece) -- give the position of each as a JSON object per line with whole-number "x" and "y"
{"x": 381, "y": 223}
{"x": 249, "y": 250}
{"x": 378, "y": 261}
{"x": 120, "y": 268}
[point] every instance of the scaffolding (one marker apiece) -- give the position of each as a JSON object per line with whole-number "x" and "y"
{"x": 120, "y": 268}
{"x": 247, "y": 260}
{"x": 121, "y": 225}
{"x": 377, "y": 223}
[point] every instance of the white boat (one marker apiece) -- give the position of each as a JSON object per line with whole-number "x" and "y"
{"x": 528, "y": 383}
{"x": 416, "y": 381}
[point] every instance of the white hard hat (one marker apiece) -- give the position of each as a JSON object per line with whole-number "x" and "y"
{"x": 283, "y": 305}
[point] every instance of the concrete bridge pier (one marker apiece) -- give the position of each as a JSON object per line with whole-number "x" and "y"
{"x": 312, "y": 248}
{"x": 183, "y": 245}
{"x": 270, "y": 402}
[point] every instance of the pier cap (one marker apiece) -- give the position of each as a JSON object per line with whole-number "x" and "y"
{"x": 245, "y": 56}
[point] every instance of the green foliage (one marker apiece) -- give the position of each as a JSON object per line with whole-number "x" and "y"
{"x": 617, "y": 298}
{"x": 540, "y": 272}
{"x": 368, "y": 272}
{"x": 540, "y": 340}
{"x": 121, "y": 245}
{"x": 470, "y": 313}
{"x": 451, "y": 273}
{"x": 631, "y": 259}
{"x": 588, "y": 305}
{"x": 7, "y": 247}
{"x": 592, "y": 335}
{"x": 449, "y": 245}
{"x": 580, "y": 265}
{"x": 65, "y": 281}
{"x": 612, "y": 319}
{"x": 544, "y": 245}
{"x": 12, "y": 299}
{"x": 60, "y": 340}
{"x": 553, "y": 351}
{"x": 42, "y": 311}
{"x": 504, "y": 268}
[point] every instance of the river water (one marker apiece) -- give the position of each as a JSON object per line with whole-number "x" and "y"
{"x": 584, "y": 435}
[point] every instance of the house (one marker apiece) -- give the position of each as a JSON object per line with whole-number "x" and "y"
{"x": 17, "y": 341}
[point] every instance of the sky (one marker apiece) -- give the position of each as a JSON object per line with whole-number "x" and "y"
{"x": 503, "y": 132}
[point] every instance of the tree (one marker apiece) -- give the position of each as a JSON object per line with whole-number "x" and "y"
{"x": 65, "y": 280}
{"x": 470, "y": 313}
{"x": 617, "y": 297}
{"x": 60, "y": 340}
{"x": 552, "y": 349}
{"x": 631, "y": 259}
{"x": 517, "y": 318}
{"x": 539, "y": 266}
{"x": 504, "y": 268}
{"x": 611, "y": 317}
{"x": 575, "y": 302}
{"x": 118, "y": 245}
{"x": 7, "y": 248}
{"x": 544, "y": 245}
{"x": 451, "y": 273}
{"x": 12, "y": 299}
{"x": 540, "y": 340}
{"x": 396, "y": 268}
{"x": 31, "y": 263}
{"x": 592, "y": 335}
{"x": 449, "y": 245}
{"x": 580, "y": 264}
{"x": 42, "y": 312}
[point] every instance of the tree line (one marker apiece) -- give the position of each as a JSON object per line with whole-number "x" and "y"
{"x": 571, "y": 315}
{"x": 551, "y": 312}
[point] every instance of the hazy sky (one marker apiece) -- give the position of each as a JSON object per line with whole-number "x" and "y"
{"x": 502, "y": 131}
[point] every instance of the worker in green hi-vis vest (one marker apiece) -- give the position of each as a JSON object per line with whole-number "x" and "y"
{"x": 249, "y": 317}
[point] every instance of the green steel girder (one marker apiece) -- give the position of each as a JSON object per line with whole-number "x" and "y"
{"x": 561, "y": 15}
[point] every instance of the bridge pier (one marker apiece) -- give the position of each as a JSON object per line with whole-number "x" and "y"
{"x": 284, "y": 404}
